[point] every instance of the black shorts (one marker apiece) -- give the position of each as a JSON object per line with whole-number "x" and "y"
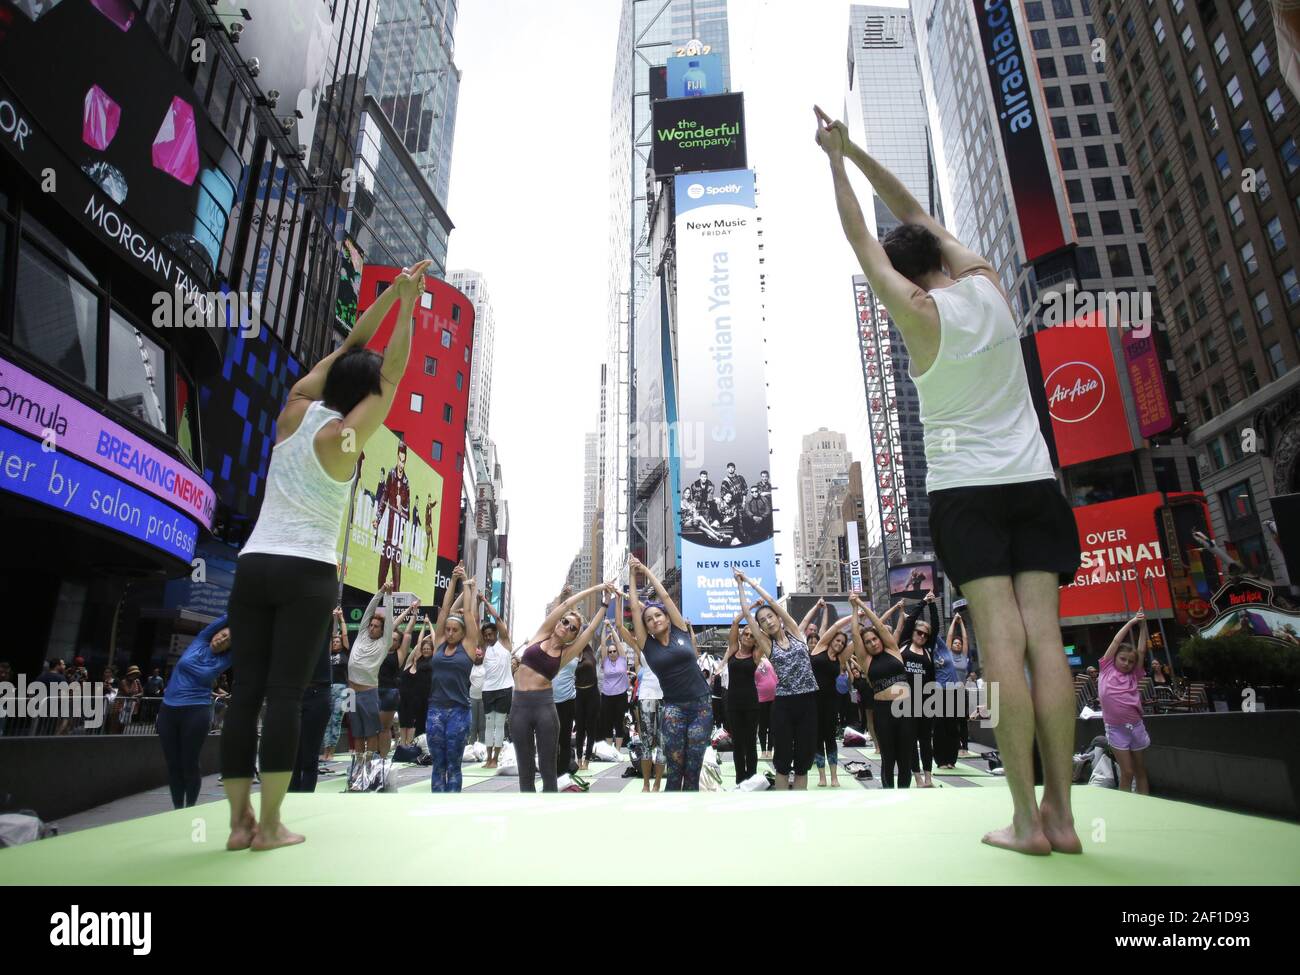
{"x": 1003, "y": 529}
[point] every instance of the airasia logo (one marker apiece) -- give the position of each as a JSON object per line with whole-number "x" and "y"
{"x": 1075, "y": 391}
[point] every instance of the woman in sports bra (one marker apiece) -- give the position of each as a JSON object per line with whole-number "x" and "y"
{"x": 878, "y": 656}
{"x": 534, "y": 725}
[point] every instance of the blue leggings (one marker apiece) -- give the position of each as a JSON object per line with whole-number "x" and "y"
{"x": 447, "y": 730}
{"x": 684, "y": 731}
{"x": 334, "y": 729}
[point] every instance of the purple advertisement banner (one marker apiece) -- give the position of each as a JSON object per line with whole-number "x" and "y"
{"x": 33, "y": 406}
{"x": 1146, "y": 377}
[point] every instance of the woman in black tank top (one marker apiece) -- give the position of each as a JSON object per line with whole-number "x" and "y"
{"x": 741, "y": 664}
{"x": 829, "y": 659}
{"x": 879, "y": 658}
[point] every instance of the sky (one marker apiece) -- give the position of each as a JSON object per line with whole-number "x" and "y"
{"x": 530, "y": 200}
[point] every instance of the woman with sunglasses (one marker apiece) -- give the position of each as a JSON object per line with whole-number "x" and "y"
{"x": 663, "y": 637}
{"x": 746, "y": 646}
{"x": 876, "y": 652}
{"x": 916, "y": 637}
{"x": 534, "y": 724}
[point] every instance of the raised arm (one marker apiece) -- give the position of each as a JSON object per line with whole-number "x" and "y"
{"x": 404, "y": 646}
{"x": 1143, "y": 637}
{"x": 952, "y": 628}
{"x": 473, "y": 638}
{"x": 857, "y": 649}
{"x": 503, "y": 634}
{"x": 674, "y": 614}
{"x": 341, "y": 627}
{"x": 557, "y": 614}
{"x": 583, "y": 640}
{"x": 886, "y": 637}
{"x": 448, "y": 599}
{"x": 824, "y": 641}
{"x": 786, "y": 618}
{"x": 762, "y": 644}
{"x": 1119, "y": 637}
{"x": 808, "y": 616}
{"x": 638, "y": 623}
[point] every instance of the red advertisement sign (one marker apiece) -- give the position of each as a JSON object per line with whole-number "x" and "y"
{"x": 1083, "y": 393}
{"x": 1147, "y": 380}
{"x": 1123, "y": 565}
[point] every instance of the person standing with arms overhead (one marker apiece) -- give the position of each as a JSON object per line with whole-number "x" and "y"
{"x": 287, "y": 579}
{"x": 745, "y": 647}
{"x": 456, "y": 653}
{"x": 498, "y": 681}
{"x": 1002, "y": 529}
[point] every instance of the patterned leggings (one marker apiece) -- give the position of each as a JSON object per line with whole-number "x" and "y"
{"x": 335, "y": 727}
{"x": 446, "y": 730}
{"x": 684, "y": 730}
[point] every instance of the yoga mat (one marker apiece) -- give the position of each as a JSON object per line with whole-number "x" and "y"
{"x": 820, "y": 836}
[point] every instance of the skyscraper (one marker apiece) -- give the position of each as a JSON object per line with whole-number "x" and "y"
{"x": 474, "y": 286}
{"x": 650, "y": 31}
{"x": 823, "y": 461}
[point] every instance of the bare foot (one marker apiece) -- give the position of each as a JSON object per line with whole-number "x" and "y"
{"x": 835, "y": 783}
{"x": 243, "y": 832}
{"x": 1033, "y": 842}
{"x": 279, "y": 836}
{"x": 1059, "y": 830}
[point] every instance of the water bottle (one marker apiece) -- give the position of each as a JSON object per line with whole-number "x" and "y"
{"x": 694, "y": 81}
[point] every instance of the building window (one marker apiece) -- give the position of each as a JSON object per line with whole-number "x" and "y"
{"x": 1111, "y": 224}
{"x": 1250, "y": 377}
{"x": 137, "y": 376}
{"x": 1034, "y": 11}
{"x": 1276, "y": 361}
{"x": 1236, "y": 327}
{"x": 1246, "y": 14}
{"x": 1159, "y": 28}
{"x": 1235, "y": 211}
{"x": 1275, "y": 236}
{"x": 1290, "y": 286}
{"x": 1081, "y": 94}
{"x": 1074, "y": 190}
{"x": 446, "y": 338}
{"x": 1061, "y": 127}
{"x": 446, "y": 413}
{"x": 1088, "y": 126}
{"x": 1047, "y": 67}
{"x": 1087, "y": 258}
{"x": 1198, "y": 79}
{"x": 1067, "y": 159}
{"x": 56, "y": 316}
{"x": 1063, "y": 8}
{"x": 460, "y": 381}
{"x": 430, "y": 366}
{"x": 1259, "y": 56}
{"x": 1082, "y": 225}
{"x": 1189, "y": 41}
{"x": 1221, "y": 48}
{"x": 1225, "y": 280}
{"x": 1211, "y": 234}
{"x": 1186, "y": 259}
{"x": 1103, "y": 188}
{"x": 467, "y": 353}
{"x": 1172, "y": 275}
{"x": 1130, "y": 28}
{"x": 1053, "y": 96}
{"x": 1211, "y": 119}
{"x": 1248, "y": 260}
{"x": 1201, "y": 312}
{"x": 1184, "y": 321}
{"x": 1263, "y": 310}
{"x": 437, "y": 451}
{"x": 1042, "y": 39}
{"x": 455, "y": 313}
{"x": 1276, "y": 110}
{"x": 1221, "y": 164}
{"x": 1096, "y": 157}
{"x": 417, "y": 403}
{"x": 1121, "y": 266}
{"x": 1074, "y": 65}
{"x": 1234, "y": 91}
{"x": 1290, "y": 156}
{"x": 1069, "y": 36}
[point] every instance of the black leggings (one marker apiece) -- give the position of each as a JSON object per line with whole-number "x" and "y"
{"x": 945, "y": 740}
{"x": 827, "y": 745}
{"x": 532, "y": 720}
{"x": 742, "y": 725}
{"x": 586, "y": 721}
{"x": 765, "y": 725}
{"x": 613, "y": 708}
{"x": 794, "y": 732}
{"x": 897, "y": 740}
{"x": 564, "y": 712}
{"x": 279, "y": 617}
{"x": 315, "y": 716}
{"x": 925, "y": 742}
{"x": 182, "y": 732}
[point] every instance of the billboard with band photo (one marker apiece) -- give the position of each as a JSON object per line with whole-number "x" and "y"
{"x": 725, "y": 491}
{"x": 395, "y": 520}
{"x": 912, "y": 580}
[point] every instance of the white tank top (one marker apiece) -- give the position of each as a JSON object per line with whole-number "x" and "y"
{"x": 303, "y": 507}
{"x": 979, "y": 419}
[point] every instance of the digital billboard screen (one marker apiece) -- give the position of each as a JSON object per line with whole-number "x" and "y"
{"x": 698, "y": 135}
{"x": 694, "y": 76}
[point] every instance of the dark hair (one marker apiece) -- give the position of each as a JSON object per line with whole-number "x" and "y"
{"x": 354, "y": 376}
{"x": 913, "y": 250}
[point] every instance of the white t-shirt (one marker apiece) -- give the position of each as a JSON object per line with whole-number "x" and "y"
{"x": 979, "y": 420}
{"x": 496, "y": 668}
{"x": 648, "y": 688}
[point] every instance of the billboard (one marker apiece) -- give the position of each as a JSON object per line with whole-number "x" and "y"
{"x": 395, "y": 520}
{"x": 1123, "y": 560}
{"x": 855, "y": 557}
{"x": 694, "y": 76}
{"x": 128, "y": 143}
{"x": 725, "y": 495}
{"x": 1147, "y": 380}
{"x": 1033, "y": 178}
{"x": 1083, "y": 393}
{"x": 292, "y": 41}
{"x": 698, "y": 135}
{"x": 912, "y": 580}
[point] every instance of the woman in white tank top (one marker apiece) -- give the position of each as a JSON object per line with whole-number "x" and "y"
{"x": 286, "y": 582}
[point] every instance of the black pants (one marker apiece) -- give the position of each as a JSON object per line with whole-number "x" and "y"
{"x": 925, "y": 744}
{"x": 719, "y": 712}
{"x": 279, "y": 616}
{"x": 564, "y": 740}
{"x": 613, "y": 709}
{"x": 533, "y": 716}
{"x": 586, "y": 722}
{"x": 315, "y": 716}
{"x": 742, "y": 725}
{"x": 827, "y": 744}
{"x": 963, "y": 731}
{"x": 413, "y": 705}
{"x": 945, "y": 740}
{"x": 794, "y": 733}
{"x": 897, "y": 740}
{"x": 182, "y": 732}
{"x": 765, "y": 725}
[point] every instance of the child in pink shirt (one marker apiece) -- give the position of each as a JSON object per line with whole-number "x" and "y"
{"x": 1121, "y": 704}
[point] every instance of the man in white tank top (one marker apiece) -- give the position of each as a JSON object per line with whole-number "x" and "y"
{"x": 1002, "y": 530}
